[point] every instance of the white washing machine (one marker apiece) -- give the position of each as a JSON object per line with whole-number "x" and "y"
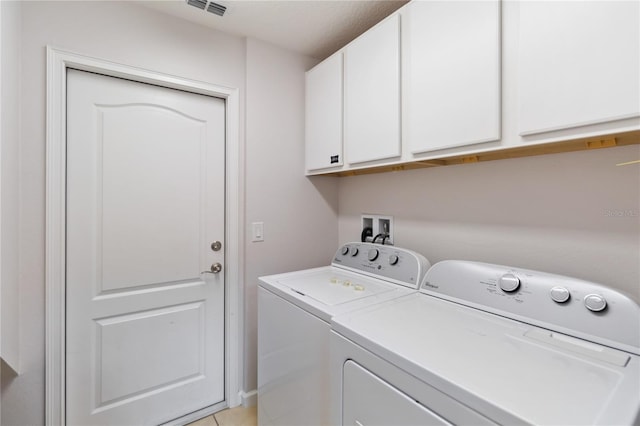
{"x": 488, "y": 344}
{"x": 294, "y": 314}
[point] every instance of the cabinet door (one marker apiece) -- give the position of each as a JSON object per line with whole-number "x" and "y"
{"x": 451, "y": 65}
{"x": 578, "y": 63}
{"x": 323, "y": 131}
{"x": 372, "y": 94}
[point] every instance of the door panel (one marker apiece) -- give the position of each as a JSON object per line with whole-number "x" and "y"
{"x": 451, "y": 64}
{"x": 145, "y": 199}
{"x": 323, "y": 114}
{"x": 133, "y": 351}
{"x": 167, "y": 138}
{"x": 372, "y": 94}
{"x": 569, "y": 74}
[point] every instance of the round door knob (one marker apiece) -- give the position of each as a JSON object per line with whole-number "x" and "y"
{"x": 559, "y": 294}
{"x": 345, "y": 250}
{"x": 373, "y": 254}
{"x": 509, "y": 283}
{"x": 595, "y": 302}
{"x": 393, "y": 259}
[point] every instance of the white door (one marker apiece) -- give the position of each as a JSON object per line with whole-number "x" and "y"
{"x": 579, "y": 63}
{"x": 372, "y": 94}
{"x": 323, "y": 114}
{"x": 145, "y": 201}
{"x": 451, "y": 64}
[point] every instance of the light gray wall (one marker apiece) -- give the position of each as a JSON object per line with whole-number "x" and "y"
{"x": 575, "y": 214}
{"x": 127, "y": 33}
{"x": 10, "y": 180}
{"x": 299, "y": 214}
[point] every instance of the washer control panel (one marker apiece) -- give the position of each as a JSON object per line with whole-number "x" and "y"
{"x": 568, "y": 305}
{"x": 395, "y": 264}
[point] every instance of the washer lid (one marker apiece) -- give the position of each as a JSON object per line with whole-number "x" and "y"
{"x": 336, "y": 287}
{"x": 499, "y": 367}
{"x": 323, "y": 293}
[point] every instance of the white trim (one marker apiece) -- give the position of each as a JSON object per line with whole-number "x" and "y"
{"x": 1, "y": 119}
{"x": 249, "y": 399}
{"x": 57, "y": 63}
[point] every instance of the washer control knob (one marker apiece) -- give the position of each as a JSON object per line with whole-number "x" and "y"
{"x": 509, "y": 282}
{"x": 559, "y": 294}
{"x": 345, "y": 250}
{"x": 354, "y": 252}
{"x": 393, "y": 259}
{"x": 373, "y": 254}
{"x": 595, "y": 302}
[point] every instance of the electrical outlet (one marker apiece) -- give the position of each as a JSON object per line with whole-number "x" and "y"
{"x": 381, "y": 227}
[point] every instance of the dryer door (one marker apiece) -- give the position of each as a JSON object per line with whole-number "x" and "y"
{"x": 367, "y": 400}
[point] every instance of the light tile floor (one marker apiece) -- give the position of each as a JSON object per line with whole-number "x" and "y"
{"x": 237, "y": 416}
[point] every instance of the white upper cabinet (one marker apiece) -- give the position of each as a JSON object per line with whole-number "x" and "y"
{"x": 372, "y": 94}
{"x": 323, "y": 131}
{"x": 578, "y": 63}
{"x": 451, "y": 74}
{"x": 453, "y": 80}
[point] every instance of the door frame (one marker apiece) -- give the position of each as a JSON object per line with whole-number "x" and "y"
{"x": 58, "y": 61}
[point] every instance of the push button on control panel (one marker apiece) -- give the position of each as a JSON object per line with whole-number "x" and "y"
{"x": 595, "y": 302}
{"x": 559, "y": 294}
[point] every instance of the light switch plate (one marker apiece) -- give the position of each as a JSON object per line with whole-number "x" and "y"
{"x": 257, "y": 232}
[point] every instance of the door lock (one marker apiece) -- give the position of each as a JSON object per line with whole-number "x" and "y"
{"x": 216, "y": 245}
{"x": 215, "y": 268}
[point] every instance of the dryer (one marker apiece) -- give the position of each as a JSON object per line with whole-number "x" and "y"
{"x": 294, "y": 314}
{"x": 489, "y": 344}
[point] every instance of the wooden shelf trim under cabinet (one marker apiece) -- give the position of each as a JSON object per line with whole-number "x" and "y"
{"x": 583, "y": 144}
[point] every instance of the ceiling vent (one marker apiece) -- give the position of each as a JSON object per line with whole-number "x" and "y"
{"x": 209, "y": 6}
{"x": 216, "y": 8}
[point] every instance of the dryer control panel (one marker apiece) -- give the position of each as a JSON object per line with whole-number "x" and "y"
{"x": 567, "y": 305}
{"x": 395, "y": 264}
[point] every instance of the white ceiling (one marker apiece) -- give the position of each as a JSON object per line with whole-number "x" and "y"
{"x": 316, "y": 28}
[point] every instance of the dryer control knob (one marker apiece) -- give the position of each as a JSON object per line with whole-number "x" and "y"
{"x": 595, "y": 302}
{"x": 509, "y": 282}
{"x": 373, "y": 254}
{"x": 559, "y": 294}
{"x": 393, "y": 259}
{"x": 345, "y": 250}
{"x": 354, "y": 252}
